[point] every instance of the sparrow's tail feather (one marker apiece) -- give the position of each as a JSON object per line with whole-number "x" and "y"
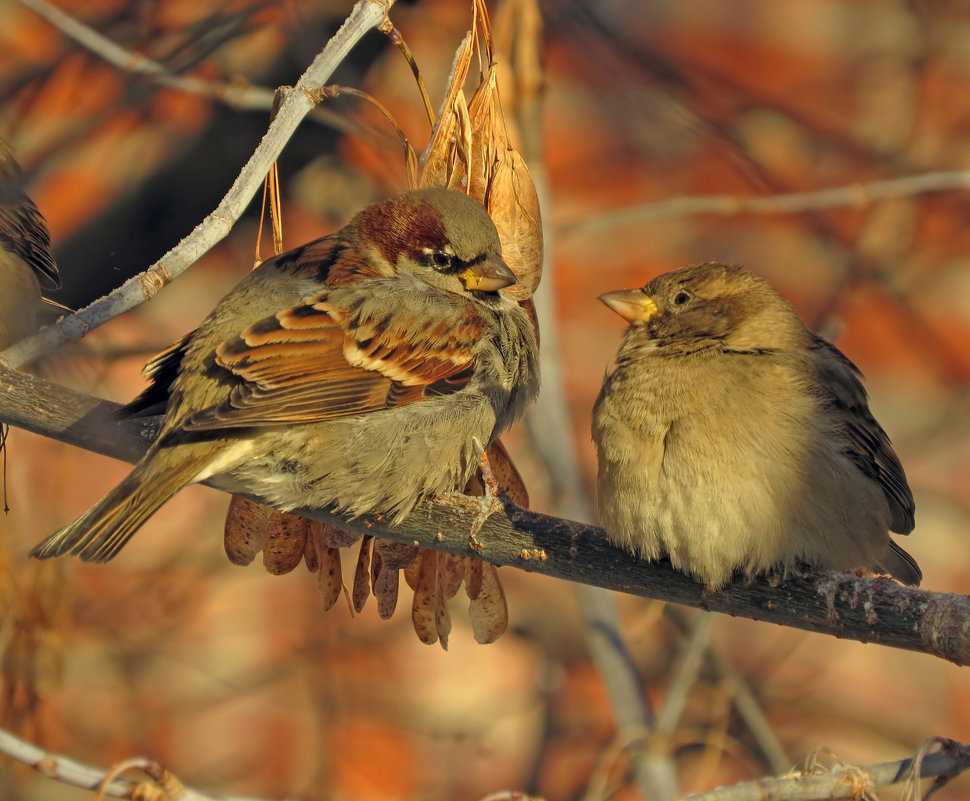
{"x": 900, "y": 565}
{"x": 102, "y": 531}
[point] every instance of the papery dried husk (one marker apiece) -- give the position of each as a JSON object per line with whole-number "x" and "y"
{"x": 246, "y": 531}
{"x": 286, "y": 542}
{"x": 424, "y": 607}
{"x": 488, "y": 610}
{"x": 327, "y": 565}
{"x": 361, "y": 588}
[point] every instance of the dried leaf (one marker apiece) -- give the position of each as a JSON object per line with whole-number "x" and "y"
{"x": 438, "y": 157}
{"x": 361, "y": 588}
{"x": 488, "y": 612}
{"x": 513, "y": 205}
{"x": 470, "y": 150}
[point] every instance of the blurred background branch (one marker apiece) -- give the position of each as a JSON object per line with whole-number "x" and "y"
{"x": 296, "y": 103}
{"x": 856, "y": 196}
{"x": 67, "y": 771}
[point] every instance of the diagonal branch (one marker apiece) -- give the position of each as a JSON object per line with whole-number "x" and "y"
{"x": 843, "y": 605}
{"x": 297, "y": 102}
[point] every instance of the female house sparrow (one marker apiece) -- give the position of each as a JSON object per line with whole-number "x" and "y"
{"x": 730, "y": 436}
{"x": 26, "y": 263}
{"x": 352, "y": 374}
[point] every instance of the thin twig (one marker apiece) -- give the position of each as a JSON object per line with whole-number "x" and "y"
{"x": 237, "y": 95}
{"x": 857, "y": 195}
{"x": 77, "y": 774}
{"x": 691, "y": 661}
{"x": 848, "y": 781}
{"x": 742, "y": 697}
{"x": 297, "y": 102}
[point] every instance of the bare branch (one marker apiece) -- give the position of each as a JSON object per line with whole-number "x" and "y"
{"x": 843, "y": 605}
{"x": 296, "y": 104}
{"x": 68, "y": 771}
{"x": 857, "y": 195}
{"x": 237, "y": 95}
{"x": 849, "y": 781}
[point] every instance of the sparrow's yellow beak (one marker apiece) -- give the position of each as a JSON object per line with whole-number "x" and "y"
{"x": 633, "y": 305}
{"x": 488, "y": 275}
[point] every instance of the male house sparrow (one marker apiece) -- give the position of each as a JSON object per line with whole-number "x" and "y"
{"x": 731, "y": 437}
{"x": 26, "y": 263}
{"x": 352, "y": 374}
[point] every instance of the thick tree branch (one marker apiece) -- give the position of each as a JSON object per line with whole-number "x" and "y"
{"x": 846, "y": 606}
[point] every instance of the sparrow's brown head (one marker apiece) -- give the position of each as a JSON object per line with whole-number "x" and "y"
{"x": 710, "y": 305}
{"x": 439, "y": 235}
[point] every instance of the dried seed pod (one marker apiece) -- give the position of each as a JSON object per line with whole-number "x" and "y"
{"x": 412, "y": 571}
{"x": 385, "y": 588}
{"x": 396, "y": 554}
{"x": 488, "y": 611}
{"x": 451, "y": 573}
{"x": 473, "y": 578}
{"x": 246, "y": 530}
{"x": 361, "y": 588}
{"x": 312, "y": 547}
{"x": 514, "y": 206}
{"x": 424, "y": 605}
{"x": 336, "y": 537}
{"x": 286, "y": 541}
{"x": 506, "y": 474}
{"x": 329, "y": 571}
{"x": 442, "y": 618}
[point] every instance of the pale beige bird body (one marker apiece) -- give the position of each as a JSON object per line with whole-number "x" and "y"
{"x": 352, "y": 374}
{"x": 732, "y": 438}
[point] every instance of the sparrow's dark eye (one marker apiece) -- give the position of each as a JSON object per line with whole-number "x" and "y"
{"x": 682, "y": 298}
{"x": 441, "y": 259}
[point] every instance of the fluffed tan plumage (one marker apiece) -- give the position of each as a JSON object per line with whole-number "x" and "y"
{"x": 351, "y": 374}
{"x": 732, "y": 438}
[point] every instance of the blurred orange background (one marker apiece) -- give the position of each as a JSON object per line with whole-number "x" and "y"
{"x": 234, "y": 679}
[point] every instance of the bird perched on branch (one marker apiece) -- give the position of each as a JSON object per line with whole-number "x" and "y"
{"x": 730, "y": 437}
{"x": 352, "y": 374}
{"x": 26, "y": 263}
